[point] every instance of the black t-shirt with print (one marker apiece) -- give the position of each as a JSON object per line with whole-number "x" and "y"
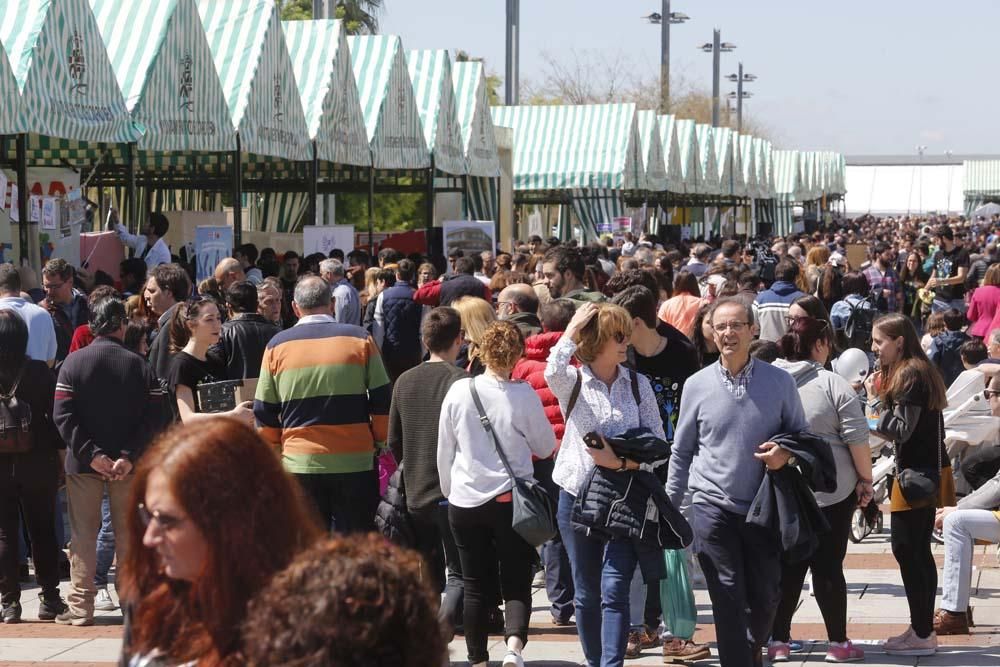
{"x": 946, "y": 265}
{"x": 191, "y": 372}
{"x": 667, "y": 372}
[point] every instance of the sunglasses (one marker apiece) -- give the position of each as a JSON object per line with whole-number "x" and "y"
{"x": 165, "y": 521}
{"x": 989, "y": 393}
{"x": 620, "y": 338}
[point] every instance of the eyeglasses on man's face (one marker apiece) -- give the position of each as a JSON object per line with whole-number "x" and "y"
{"x": 735, "y": 326}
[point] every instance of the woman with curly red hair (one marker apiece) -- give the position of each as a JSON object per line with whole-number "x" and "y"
{"x": 215, "y": 517}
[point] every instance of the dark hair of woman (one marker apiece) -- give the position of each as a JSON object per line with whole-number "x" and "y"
{"x": 802, "y": 336}
{"x": 697, "y": 336}
{"x": 13, "y": 343}
{"x": 913, "y": 367}
{"x": 686, "y": 282}
{"x": 180, "y": 332}
{"x": 251, "y": 514}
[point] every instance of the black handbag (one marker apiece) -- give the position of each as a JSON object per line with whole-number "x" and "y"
{"x": 534, "y": 516}
{"x": 918, "y": 484}
{"x": 16, "y": 436}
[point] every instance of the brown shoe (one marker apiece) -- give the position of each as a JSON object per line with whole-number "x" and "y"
{"x": 968, "y": 614}
{"x": 639, "y": 640}
{"x": 680, "y": 650}
{"x": 951, "y": 622}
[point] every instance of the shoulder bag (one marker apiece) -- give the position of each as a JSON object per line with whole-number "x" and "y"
{"x": 918, "y": 484}
{"x": 534, "y": 516}
{"x": 15, "y": 420}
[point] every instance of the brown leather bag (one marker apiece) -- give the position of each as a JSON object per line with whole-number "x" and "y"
{"x": 15, "y": 421}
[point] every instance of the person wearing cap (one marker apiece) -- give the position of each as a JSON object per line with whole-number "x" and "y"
{"x": 883, "y": 279}
{"x": 951, "y": 264}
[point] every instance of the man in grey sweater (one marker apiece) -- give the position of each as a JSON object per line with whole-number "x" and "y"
{"x": 729, "y": 413}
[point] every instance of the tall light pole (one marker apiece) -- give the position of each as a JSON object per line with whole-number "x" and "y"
{"x": 740, "y": 95}
{"x": 920, "y": 179}
{"x": 672, "y": 18}
{"x": 716, "y": 48}
{"x": 513, "y": 52}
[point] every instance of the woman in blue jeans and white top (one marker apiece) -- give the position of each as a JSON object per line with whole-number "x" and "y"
{"x": 598, "y": 335}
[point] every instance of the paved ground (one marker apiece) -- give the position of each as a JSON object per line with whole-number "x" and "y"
{"x": 876, "y": 607}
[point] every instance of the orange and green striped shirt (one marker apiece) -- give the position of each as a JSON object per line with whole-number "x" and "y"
{"x": 323, "y": 397}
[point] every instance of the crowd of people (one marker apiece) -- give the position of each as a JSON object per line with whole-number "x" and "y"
{"x": 660, "y": 404}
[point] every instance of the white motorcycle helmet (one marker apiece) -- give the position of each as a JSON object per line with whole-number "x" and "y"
{"x": 852, "y": 365}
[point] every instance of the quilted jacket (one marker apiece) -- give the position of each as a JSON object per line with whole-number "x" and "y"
{"x": 531, "y": 368}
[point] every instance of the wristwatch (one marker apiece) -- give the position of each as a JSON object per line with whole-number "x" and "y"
{"x": 792, "y": 460}
{"x": 624, "y": 465}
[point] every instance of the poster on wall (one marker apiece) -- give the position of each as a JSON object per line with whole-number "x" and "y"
{"x": 324, "y": 238}
{"x": 102, "y": 251}
{"x": 15, "y": 210}
{"x": 535, "y": 227}
{"x": 35, "y": 208}
{"x": 469, "y": 236}
{"x": 50, "y": 213}
{"x": 212, "y": 245}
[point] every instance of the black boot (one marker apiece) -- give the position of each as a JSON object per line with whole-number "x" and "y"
{"x": 51, "y": 606}
{"x": 11, "y": 612}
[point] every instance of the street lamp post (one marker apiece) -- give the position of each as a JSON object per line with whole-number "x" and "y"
{"x": 716, "y": 48}
{"x": 513, "y": 52}
{"x": 740, "y": 95}
{"x": 920, "y": 179}
{"x": 665, "y": 18}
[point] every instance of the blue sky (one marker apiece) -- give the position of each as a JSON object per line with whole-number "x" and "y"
{"x": 873, "y": 77}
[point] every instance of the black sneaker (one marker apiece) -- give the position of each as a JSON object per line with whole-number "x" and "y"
{"x": 11, "y": 612}
{"x": 50, "y": 608}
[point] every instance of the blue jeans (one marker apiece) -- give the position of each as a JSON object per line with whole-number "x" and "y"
{"x": 602, "y": 574}
{"x": 105, "y": 545}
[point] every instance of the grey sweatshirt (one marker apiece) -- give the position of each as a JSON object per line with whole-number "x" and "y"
{"x": 834, "y": 413}
{"x": 718, "y": 434}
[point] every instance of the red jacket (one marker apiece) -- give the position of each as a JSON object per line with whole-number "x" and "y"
{"x": 531, "y": 368}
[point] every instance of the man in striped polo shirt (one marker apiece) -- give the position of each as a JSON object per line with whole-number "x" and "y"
{"x": 323, "y": 402}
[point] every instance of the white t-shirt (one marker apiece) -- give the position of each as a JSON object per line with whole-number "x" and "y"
{"x": 41, "y": 331}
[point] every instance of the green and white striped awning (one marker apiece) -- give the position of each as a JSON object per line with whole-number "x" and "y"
{"x": 166, "y": 74}
{"x": 434, "y": 93}
{"x": 10, "y": 110}
{"x": 594, "y": 206}
{"x": 321, "y": 60}
{"x": 652, "y": 151}
{"x": 483, "y": 198}
{"x": 67, "y": 85}
{"x": 787, "y": 176}
{"x": 248, "y": 47}
{"x": 594, "y": 146}
{"x": 392, "y": 120}
{"x": 725, "y": 160}
{"x": 709, "y": 180}
{"x": 765, "y": 168}
{"x": 690, "y": 154}
{"x": 671, "y": 152}
{"x": 473, "y": 106}
{"x": 807, "y": 177}
{"x": 748, "y": 165}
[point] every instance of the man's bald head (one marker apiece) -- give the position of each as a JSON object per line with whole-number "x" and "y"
{"x": 229, "y": 271}
{"x": 517, "y": 298}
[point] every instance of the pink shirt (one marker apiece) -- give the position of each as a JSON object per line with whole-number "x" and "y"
{"x": 680, "y": 311}
{"x": 984, "y": 309}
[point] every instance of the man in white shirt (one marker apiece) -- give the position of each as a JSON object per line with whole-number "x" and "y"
{"x": 41, "y": 331}
{"x": 150, "y": 246}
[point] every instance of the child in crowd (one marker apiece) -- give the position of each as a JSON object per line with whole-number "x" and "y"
{"x": 945, "y": 347}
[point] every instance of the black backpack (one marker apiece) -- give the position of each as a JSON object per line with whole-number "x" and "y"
{"x": 15, "y": 420}
{"x": 858, "y": 330}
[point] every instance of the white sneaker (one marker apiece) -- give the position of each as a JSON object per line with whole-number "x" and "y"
{"x": 103, "y": 601}
{"x": 513, "y": 659}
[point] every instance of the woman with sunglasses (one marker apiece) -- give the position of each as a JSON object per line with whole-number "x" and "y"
{"x": 194, "y": 327}
{"x": 609, "y": 401}
{"x": 834, "y": 413}
{"x": 199, "y": 550}
{"x": 910, "y": 394}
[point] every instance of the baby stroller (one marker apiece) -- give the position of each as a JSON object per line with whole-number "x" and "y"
{"x": 970, "y": 428}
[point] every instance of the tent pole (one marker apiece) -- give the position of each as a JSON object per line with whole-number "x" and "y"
{"x": 313, "y": 187}
{"x": 21, "y": 155}
{"x": 371, "y": 208}
{"x": 429, "y": 228}
{"x": 130, "y": 196}
{"x": 237, "y": 193}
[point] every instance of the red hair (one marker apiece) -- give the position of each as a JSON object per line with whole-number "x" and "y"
{"x": 254, "y": 519}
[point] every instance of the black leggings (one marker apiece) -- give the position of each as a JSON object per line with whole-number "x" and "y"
{"x": 484, "y": 536}
{"x": 827, "y": 565}
{"x": 911, "y": 545}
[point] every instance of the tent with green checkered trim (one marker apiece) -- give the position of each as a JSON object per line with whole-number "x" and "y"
{"x": 251, "y": 58}
{"x": 689, "y": 153}
{"x": 748, "y": 164}
{"x": 67, "y": 84}
{"x": 434, "y": 93}
{"x": 671, "y": 152}
{"x": 980, "y": 183}
{"x": 321, "y": 61}
{"x": 392, "y": 120}
{"x": 10, "y": 110}
{"x": 652, "y": 151}
{"x": 709, "y": 180}
{"x": 166, "y": 74}
{"x": 473, "y": 106}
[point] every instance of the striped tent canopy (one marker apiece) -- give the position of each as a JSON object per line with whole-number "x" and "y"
{"x": 10, "y": 110}
{"x": 786, "y": 175}
{"x": 248, "y": 47}
{"x": 430, "y": 73}
{"x": 709, "y": 180}
{"x": 671, "y": 152}
{"x": 722, "y": 139}
{"x": 596, "y": 205}
{"x": 392, "y": 120}
{"x": 594, "y": 146}
{"x": 838, "y": 180}
{"x": 61, "y": 68}
{"x": 166, "y": 74}
{"x": 472, "y": 103}
{"x": 689, "y": 153}
{"x": 321, "y": 61}
{"x": 765, "y": 168}
{"x": 980, "y": 183}
{"x": 652, "y": 151}
{"x": 748, "y": 164}
{"x": 808, "y": 187}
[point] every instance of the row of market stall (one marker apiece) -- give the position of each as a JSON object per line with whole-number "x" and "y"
{"x": 194, "y": 104}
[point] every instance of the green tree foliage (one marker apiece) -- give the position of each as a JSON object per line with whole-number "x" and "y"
{"x": 393, "y": 212}
{"x": 360, "y": 17}
{"x": 295, "y": 10}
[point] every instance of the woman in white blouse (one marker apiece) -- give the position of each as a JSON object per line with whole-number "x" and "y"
{"x": 598, "y": 336}
{"x": 478, "y": 488}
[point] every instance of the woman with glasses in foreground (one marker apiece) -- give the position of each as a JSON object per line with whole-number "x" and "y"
{"x": 835, "y": 414}
{"x": 609, "y": 400}
{"x": 215, "y": 517}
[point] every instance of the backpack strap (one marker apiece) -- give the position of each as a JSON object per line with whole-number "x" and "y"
{"x": 7, "y": 395}
{"x": 634, "y": 379}
{"x": 575, "y": 395}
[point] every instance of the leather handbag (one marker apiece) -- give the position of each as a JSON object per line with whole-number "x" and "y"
{"x": 16, "y": 436}
{"x": 918, "y": 484}
{"x": 534, "y": 516}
